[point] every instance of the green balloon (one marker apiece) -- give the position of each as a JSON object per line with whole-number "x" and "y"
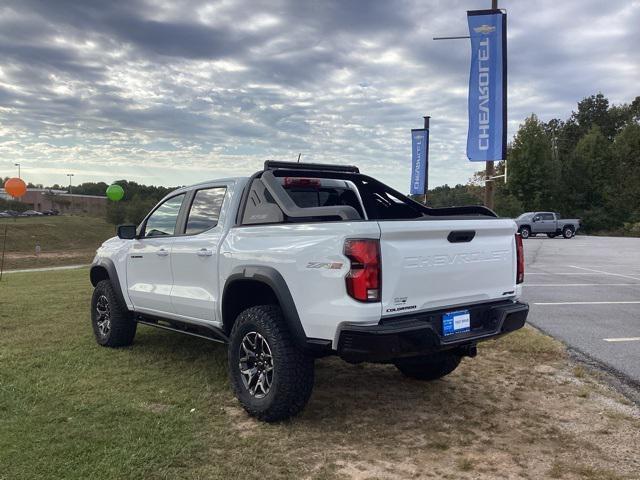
{"x": 115, "y": 193}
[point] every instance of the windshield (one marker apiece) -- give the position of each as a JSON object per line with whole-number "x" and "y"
{"x": 523, "y": 216}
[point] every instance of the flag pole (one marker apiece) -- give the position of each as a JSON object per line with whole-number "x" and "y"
{"x": 426, "y": 163}
{"x": 489, "y": 169}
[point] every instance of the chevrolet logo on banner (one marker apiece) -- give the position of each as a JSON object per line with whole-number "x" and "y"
{"x": 487, "y": 137}
{"x": 486, "y": 29}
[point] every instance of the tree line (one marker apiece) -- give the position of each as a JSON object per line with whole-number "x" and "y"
{"x": 587, "y": 166}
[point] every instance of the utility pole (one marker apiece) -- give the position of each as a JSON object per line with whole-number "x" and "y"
{"x": 17, "y": 165}
{"x": 426, "y": 166}
{"x": 489, "y": 170}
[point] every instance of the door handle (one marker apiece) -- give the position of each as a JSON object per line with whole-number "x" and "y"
{"x": 205, "y": 252}
{"x": 162, "y": 252}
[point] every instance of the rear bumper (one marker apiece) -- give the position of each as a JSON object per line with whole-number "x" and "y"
{"x": 420, "y": 334}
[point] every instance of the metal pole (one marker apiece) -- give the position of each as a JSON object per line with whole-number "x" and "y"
{"x": 18, "y": 165}
{"x": 426, "y": 164}
{"x": 489, "y": 167}
{"x": 4, "y": 244}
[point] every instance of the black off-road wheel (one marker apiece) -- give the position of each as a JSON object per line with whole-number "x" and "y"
{"x": 428, "y": 367}
{"x": 271, "y": 377}
{"x": 113, "y": 324}
{"x": 525, "y": 232}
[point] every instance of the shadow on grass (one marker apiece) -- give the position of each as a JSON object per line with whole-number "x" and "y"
{"x": 344, "y": 393}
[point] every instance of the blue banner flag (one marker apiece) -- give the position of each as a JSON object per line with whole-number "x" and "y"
{"x": 419, "y": 160}
{"x": 487, "y": 138}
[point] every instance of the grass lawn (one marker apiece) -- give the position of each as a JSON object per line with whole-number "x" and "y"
{"x": 163, "y": 408}
{"x": 64, "y": 240}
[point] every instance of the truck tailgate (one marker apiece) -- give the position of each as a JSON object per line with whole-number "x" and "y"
{"x": 425, "y": 266}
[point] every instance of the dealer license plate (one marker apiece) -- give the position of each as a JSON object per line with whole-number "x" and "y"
{"x": 456, "y": 322}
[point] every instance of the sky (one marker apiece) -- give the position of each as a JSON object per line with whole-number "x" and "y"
{"x": 176, "y": 92}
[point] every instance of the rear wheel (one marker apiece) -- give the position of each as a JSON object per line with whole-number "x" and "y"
{"x": 113, "y": 324}
{"x": 271, "y": 377}
{"x": 428, "y": 367}
{"x": 567, "y": 232}
{"x": 525, "y": 232}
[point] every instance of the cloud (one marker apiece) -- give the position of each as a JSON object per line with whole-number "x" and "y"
{"x": 177, "y": 91}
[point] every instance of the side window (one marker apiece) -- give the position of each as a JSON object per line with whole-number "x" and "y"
{"x": 547, "y": 216}
{"x": 164, "y": 219}
{"x": 205, "y": 210}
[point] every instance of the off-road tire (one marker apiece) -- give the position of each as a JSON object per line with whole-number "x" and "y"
{"x": 525, "y": 232}
{"x": 122, "y": 327}
{"x": 428, "y": 367}
{"x": 567, "y": 232}
{"x": 551, "y": 235}
{"x": 293, "y": 370}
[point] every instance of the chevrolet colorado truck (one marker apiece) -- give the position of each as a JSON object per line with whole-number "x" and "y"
{"x": 301, "y": 261}
{"x": 549, "y": 223}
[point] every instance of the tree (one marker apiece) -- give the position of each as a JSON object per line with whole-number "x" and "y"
{"x": 532, "y": 169}
{"x": 622, "y": 194}
{"x": 588, "y": 169}
{"x": 138, "y": 207}
{"x": 115, "y": 213}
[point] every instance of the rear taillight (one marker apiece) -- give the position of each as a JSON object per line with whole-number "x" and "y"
{"x": 520, "y": 259}
{"x": 364, "y": 280}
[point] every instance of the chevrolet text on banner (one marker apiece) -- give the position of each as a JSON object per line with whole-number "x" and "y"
{"x": 419, "y": 161}
{"x": 487, "y": 138}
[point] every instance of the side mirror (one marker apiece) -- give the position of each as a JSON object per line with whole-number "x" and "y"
{"x": 536, "y": 219}
{"x": 127, "y": 232}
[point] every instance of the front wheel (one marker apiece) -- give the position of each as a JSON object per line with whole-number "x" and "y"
{"x": 271, "y": 377}
{"x": 428, "y": 367}
{"x": 525, "y": 232}
{"x": 567, "y": 232}
{"x": 113, "y": 324}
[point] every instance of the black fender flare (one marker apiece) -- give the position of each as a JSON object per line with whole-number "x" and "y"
{"x": 273, "y": 279}
{"x": 108, "y": 265}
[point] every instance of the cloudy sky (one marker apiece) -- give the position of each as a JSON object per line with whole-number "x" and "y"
{"x": 174, "y": 92}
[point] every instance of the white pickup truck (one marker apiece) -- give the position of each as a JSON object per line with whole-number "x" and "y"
{"x": 301, "y": 261}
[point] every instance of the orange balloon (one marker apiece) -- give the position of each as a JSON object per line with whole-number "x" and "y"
{"x": 15, "y": 187}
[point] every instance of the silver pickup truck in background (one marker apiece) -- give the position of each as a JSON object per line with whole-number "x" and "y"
{"x": 532, "y": 223}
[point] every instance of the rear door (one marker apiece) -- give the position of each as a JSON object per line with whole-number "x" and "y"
{"x": 430, "y": 264}
{"x": 194, "y": 257}
{"x": 149, "y": 276}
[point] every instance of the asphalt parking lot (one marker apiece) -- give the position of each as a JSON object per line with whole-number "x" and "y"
{"x": 586, "y": 293}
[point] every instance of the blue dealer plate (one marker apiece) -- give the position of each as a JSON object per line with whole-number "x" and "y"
{"x": 456, "y": 322}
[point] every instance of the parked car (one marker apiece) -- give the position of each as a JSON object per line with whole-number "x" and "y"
{"x": 301, "y": 261}
{"x": 32, "y": 213}
{"x": 549, "y": 223}
{"x": 4, "y": 214}
{"x": 51, "y": 212}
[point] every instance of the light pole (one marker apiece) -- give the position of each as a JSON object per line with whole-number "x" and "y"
{"x": 17, "y": 165}
{"x": 69, "y": 175}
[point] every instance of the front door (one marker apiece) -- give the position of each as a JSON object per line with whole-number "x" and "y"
{"x": 194, "y": 257}
{"x": 149, "y": 277}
